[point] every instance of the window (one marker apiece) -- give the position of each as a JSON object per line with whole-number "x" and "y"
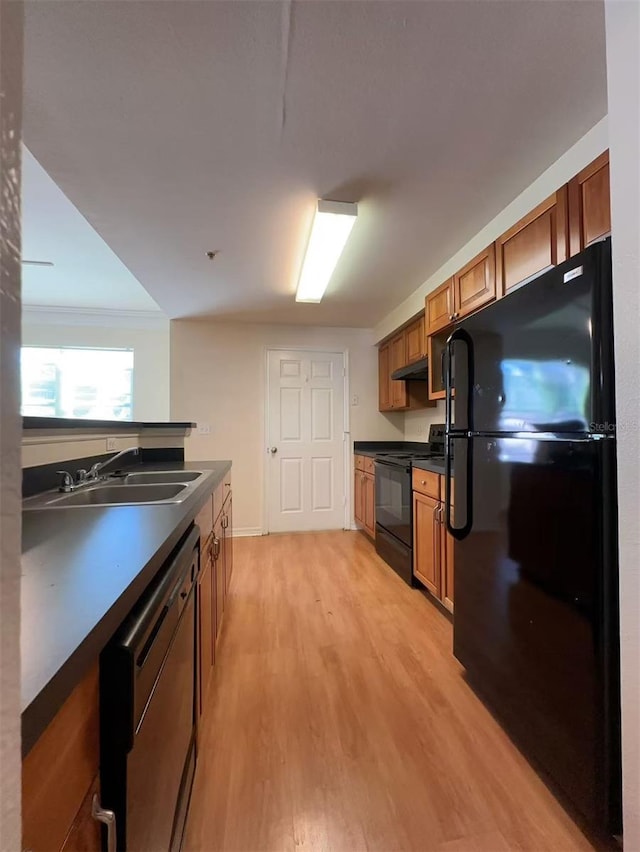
{"x": 78, "y": 383}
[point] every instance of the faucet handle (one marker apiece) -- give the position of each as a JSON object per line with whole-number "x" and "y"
{"x": 67, "y": 480}
{"x": 81, "y": 475}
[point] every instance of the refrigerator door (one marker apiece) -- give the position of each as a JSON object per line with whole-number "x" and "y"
{"x": 541, "y": 358}
{"x": 536, "y": 623}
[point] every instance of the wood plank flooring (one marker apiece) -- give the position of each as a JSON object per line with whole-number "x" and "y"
{"x": 339, "y": 719}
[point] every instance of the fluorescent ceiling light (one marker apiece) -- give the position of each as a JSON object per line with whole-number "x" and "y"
{"x": 331, "y": 227}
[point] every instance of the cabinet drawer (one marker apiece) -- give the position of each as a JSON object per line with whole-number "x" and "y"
{"x": 427, "y": 482}
{"x": 369, "y": 465}
{"x": 359, "y": 462}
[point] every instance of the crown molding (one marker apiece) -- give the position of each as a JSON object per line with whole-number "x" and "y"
{"x": 100, "y": 317}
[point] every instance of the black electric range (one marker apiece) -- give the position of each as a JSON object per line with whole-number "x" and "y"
{"x": 394, "y": 509}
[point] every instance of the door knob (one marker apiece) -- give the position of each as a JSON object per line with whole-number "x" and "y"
{"x": 273, "y": 450}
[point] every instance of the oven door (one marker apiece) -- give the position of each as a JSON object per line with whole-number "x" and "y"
{"x": 393, "y": 500}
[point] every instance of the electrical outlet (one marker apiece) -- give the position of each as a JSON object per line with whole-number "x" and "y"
{"x": 355, "y": 399}
{"x": 204, "y": 428}
{"x": 111, "y": 444}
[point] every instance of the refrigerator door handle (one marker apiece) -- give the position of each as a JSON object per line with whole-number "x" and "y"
{"x": 458, "y": 335}
{"x": 459, "y": 532}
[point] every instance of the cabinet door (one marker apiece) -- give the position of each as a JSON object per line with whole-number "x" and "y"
{"x": 358, "y": 497}
{"x": 61, "y": 767}
{"x": 206, "y": 626}
{"x": 446, "y": 563}
{"x": 426, "y": 542}
{"x": 438, "y": 307}
{"x": 435, "y": 349}
{"x": 398, "y": 360}
{"x": 218, "y": 578}
{"x": 535, "y": 243}
{"x": 475, "y": 285}
{"x": 384, "y": 381}
{"x": 369, "y": 487}
{"x": 589, "y": 205}
{"x": 416, "y": 341}
{"x": 228, "y": 540}
{"x": 85, "y": 834}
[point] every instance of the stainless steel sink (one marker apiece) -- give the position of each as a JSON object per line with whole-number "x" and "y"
{"x": 105, "y": 495}
{"x": 156, "y": 476}
{"x": 111, "y": 495}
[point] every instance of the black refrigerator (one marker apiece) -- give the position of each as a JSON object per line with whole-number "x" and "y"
{"x": 531, "y": 447}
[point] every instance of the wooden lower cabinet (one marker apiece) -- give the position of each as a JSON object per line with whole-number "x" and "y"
{"x": 433, "y": 561}
{"x": 364, "y": 495}
{"x": 59, "y": 774}
{"x": 227, "y": 524}
{"x": 369, "y": 521}
{"x": 426, "y": 542}
{"x": 206, "y": 624}
{"x": 86, "y": 833}
{"x": 219, "y": 573}
{"x": 446, "y": 566}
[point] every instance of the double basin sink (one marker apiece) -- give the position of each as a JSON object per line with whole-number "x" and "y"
{"x": 158, "y": 486}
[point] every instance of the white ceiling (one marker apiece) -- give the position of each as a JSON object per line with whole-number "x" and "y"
{"x": 86, "y": 273}
{"x": 177, "y": 127}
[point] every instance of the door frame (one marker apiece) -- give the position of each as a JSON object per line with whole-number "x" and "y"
{"x": 346, "y": 431}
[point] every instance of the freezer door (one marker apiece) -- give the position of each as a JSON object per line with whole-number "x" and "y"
{"x": 541, "y": 358}
{"x": 536, "y": 606}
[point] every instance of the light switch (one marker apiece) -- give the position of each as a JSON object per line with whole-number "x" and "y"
{"x": 111, "y": 444}
{"x": 355, "y": 399}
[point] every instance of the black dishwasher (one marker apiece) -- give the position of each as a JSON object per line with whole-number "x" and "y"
{"x": 147, "y": 710}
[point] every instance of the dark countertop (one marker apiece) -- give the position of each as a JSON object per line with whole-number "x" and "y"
{"x": 83, "y": 569}
{"x": 372, "y": 448}
{"x": 113, "y": 425}
{"x": 428, "y": 464}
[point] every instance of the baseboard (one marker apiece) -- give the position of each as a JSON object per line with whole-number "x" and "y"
{"x": 246, "y": 532}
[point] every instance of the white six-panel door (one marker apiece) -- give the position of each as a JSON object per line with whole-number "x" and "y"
{"x": 305, "y": 437}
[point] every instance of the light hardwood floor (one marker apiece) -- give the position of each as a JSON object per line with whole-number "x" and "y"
{"x": 339, "y": 719}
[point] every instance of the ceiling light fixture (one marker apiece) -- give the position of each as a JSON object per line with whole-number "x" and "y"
{"x": 37, "y": 262}
{"x": 332, "y": 224}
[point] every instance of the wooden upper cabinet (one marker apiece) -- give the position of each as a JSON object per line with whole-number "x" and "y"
{"x": 384, "y": 380}
{"x": 438, "y": 307}
{"x": 535, "y": 243}
{"x": 589, "y": 205}
{"x": 475, "y": 284}
{"x": 416, "y": 341}
{"x": 398, "y": 359}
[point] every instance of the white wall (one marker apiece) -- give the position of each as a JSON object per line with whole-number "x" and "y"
{"x": 217, "y": 377}
{"x": 581, "y": 154}
{"x": 150, "y": 354}
{"x": 10, "y": 481}
{"x": 623, "y": 71}
{"x": 416, "y": 423}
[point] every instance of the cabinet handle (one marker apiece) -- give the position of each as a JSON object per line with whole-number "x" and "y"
{"x": 216, "y": 548}
{"x": 107, "y": 818}
{"x": 423, "y": 482}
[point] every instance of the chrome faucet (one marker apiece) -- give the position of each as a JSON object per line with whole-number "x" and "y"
{"x": 84, "y": 478}
{"x": 95, "y": 469}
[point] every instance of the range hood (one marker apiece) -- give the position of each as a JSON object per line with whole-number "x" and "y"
{"x": 413, "y": 372}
